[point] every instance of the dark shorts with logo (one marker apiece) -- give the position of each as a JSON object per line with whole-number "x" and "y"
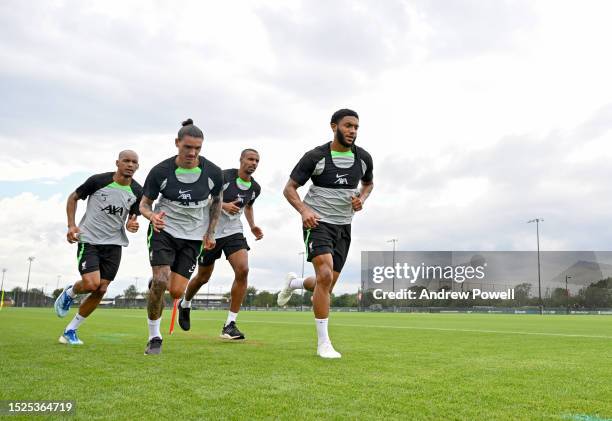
{"x": 228, "y": 245}
{"x": 179, "y": 254}
{"x": 102, "y": 257}
{"x": 328, "y": 238}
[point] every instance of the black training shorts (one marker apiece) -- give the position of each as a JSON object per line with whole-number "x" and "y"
{"x": 229, "y": 245}
{"x": 180, "y": 254}
{"x": 328, "y": 238}
{"x": 102, "y": 257}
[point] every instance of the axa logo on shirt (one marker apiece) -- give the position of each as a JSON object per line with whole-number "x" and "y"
{"x": 341, "y": 179}
{"x": 113, "y": 210}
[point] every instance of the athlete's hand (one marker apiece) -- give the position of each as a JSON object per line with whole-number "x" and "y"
{"x": 209, "y": 242}
{"x": 157, "y": 219}
{"x": 310, "y": 218}
{"x": 132, "y": 224}
{"x": 357, "y": 203}
{"x": 73, "y": 234}
{"x": 257, "y": 232}
{"x": 231, "y": 207}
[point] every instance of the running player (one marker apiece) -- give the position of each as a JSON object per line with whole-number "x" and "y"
{"x": 183, "y": 222}
{"x": 335, "y": 169}
{"x": 112, "y": 199}
{"x": 239, "y": 193}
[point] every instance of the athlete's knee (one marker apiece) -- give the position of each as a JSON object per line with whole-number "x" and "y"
{"x": 176, "y": 291}
{"x": 101, "y": 290}
{"x": 241, "y": 273}
{"x": 325, "y": 278}
{"x": 91, "y": 283}
{"x": 159, "y": 282}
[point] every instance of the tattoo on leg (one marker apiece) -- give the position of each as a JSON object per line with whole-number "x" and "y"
{"x": 157, "y": 289}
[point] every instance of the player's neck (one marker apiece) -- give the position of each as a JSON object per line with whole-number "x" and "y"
{"x": 338, "y": 147}
{"x": 244, "y": 175}
{"x": 121, "y": 179}
{"x": 182, "y": 164}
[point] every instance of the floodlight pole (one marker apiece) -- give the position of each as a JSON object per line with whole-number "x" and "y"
{"x": 537, "y": 221}
{"x": 394, "y": 241}
{"x": 31, "y": 258}
{"x": 567, "y": 293}
{"x": 2, "y": 290}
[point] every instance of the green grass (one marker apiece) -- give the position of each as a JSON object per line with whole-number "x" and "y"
{"x": 394, "y": 366}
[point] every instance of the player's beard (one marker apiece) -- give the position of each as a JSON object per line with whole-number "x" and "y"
{"x": 343, "y": 141}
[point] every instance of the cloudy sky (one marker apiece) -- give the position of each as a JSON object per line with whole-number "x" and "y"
{"x": 480, "y": 115}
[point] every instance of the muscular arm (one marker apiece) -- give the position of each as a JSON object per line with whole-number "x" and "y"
{"x": 146, "y": 210}
{"x": 214, "y": 213}
{"x": 293, "y": 197}
{"x": 309, "y": 217}
{"x": 146, "y": 207}
{"x": 250, "y": 216}
{"x": 366, "y": 189}
{"x": 358, "y": 201}
{"x": 71, "y": 207}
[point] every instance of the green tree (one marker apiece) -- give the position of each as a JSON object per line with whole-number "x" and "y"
{"x": 265, "y": 299}
{"x": 521, "y": 293}
{"x": 130, "y": 294}
{"x": 57, "y": 292}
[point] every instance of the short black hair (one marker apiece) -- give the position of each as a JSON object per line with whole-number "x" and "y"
{"x": 340, "y": 114}
{"x": 247, "y": 150}
{"x": 190, "y": 129}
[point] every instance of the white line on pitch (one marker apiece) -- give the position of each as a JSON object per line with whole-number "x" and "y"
{"x": 442, "y": 329}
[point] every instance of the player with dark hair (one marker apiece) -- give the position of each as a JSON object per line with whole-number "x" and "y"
{"x": 112, "y": 202}
{"x": 183, "y": 222}
{"x": 239, "y": 193}
{"x": 335, "y": 168}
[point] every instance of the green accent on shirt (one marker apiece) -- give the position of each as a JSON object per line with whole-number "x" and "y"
{"x": 245, "y": 183}
{"x": 115, "y": 185}
{"x": 196, "y": 170}
{"x": 338, "y": 153}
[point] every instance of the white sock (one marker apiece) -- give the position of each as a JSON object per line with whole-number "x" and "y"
{"x": 297, "y": 283}
{"x": 75, "y": 323}
{"x": 231, "y": 317}
{"x": 154, "y": 328}
{"x": 70, "y": 292}
{"x": 186, "y": 303}
{"x": 322, "y": 330}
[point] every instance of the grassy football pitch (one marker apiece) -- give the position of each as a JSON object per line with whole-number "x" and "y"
{"x": 394, "y": 366}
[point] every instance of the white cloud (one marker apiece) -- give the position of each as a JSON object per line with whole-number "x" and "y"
{"x": 479, "y": 116}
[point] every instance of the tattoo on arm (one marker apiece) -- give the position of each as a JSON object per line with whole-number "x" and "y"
{"x": 214, "y": 213}
{"x": 146, "y": 207}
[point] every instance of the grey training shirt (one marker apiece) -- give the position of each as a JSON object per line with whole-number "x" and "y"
{"x": 335, "y": 178}
{"x": 108, "y": 206}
